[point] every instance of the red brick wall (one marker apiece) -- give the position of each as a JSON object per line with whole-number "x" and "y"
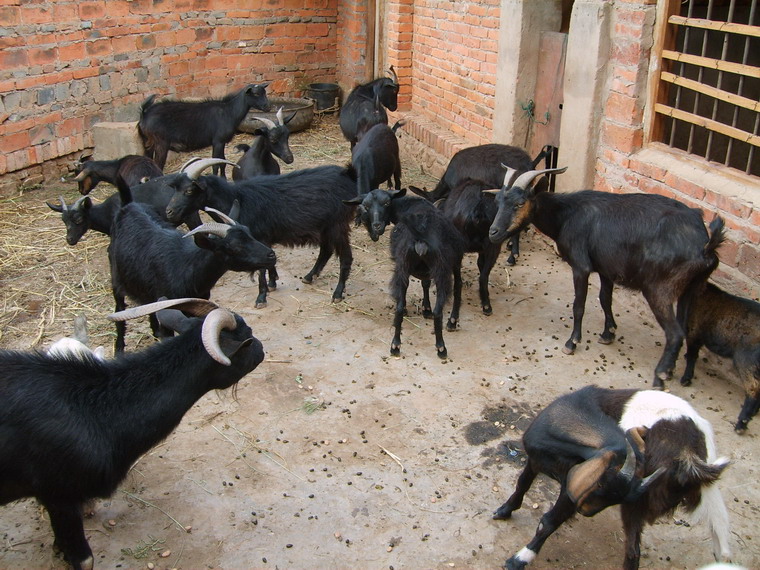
{"x": 455, "y": 47}
{"x": 621, "y": 169}
{"x": 95, "y": 60}
{"x": 352, "y": 39}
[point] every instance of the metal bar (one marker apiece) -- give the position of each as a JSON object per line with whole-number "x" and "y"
{"x": 719, "y": 84}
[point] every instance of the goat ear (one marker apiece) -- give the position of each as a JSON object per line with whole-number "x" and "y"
{"x": 173, "y": 319}
{"x": 397, "y": 193}
{"x": 234, "y": 212}
{"x": 352, "y": 202}
{"x": 583, "y": 478}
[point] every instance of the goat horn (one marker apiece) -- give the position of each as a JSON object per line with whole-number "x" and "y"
{"x": 629, "y": 467}
{"x": 196, "y": 307}
{"x": 523, "y": 181}
{"x": 394, "y": 77}
{"x": 646, "y": 481}
{"x": 280, "y": 117}
{"x": 188, "y": 162}
{"x": 227, "y": 219}
{"x": 195, "y": 169}
{"x": 82, "y": 175}
{"x": 64, "y": 207}
{"x": 509, "y": 174}
{"x": 213, "y": 228}
{"x": 217, "y": 320}
{"x": 267, "y": 123}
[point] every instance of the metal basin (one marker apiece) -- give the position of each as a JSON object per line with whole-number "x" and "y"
{"x": 304, "y": 114}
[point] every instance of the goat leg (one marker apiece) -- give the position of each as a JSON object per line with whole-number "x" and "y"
{"x": 605, "y": 300}
{"x": 346, "y": 259}
{"x": 451, "y": 325}
{"x": 323, "y": 257}
{"x": 562, "y": 510}
{"x": 662, "y": 308}
{"x": 398, "y": 318}
{"x": 514, "y": 249}
{"x": 68, "y": 528}
{"x": 427, "y": 311}
{"x": 440, "y": 300}
{"x": 580, "y": 285}
{"x": 121, "y": 326}
{"x": 749, "y": 410}
{"x": 486, "y": 261}
{"x": 632, "y": 525}
{"x": 692, "y": 351}
{"x": 524, "y": 481}
{"x": 261, "y": 299}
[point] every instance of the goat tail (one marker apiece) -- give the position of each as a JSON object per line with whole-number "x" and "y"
{"x": 712, "y": 509}
{"x": 147, "y": 104}
{"x": 717, "y": 236}
{"x": 397, "y": 125}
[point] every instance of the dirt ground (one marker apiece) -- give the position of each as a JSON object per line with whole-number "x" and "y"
{"x": 335, "y": 454}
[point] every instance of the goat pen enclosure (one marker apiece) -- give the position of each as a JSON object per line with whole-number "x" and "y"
{"x": 335, "y": 454}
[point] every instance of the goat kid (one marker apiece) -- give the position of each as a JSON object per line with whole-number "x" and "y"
{"x": 74, "y": 425}
{"x": 191, "y": 125}
{"x": 268, "y": 142}
{"x": 645, "y": 242}
{"x": 361, "y": 105}
{"x": 132, "y": 168}
{"x": 299, "y": 208}
{"x": 729, "y": 326}
{"x": 425, "y": 245}
{"x": 472, "y": 212}
{"x": 646, "y": 450}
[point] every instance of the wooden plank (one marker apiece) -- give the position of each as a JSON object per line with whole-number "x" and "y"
{"x": 708, "y": 62}
{"x": 729, "y": 27}
{"x": 726, "y": 96}
{"x": 709, "y": 124}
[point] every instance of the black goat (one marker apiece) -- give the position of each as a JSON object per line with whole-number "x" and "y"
{"x": 270, "y": 140}
{"x": 729, "y": 326}
{"x": 191, "y": 125}
{"x": 362, "y": 108}
{"x": 645, "y": 242}
{"x": 375, "y": 158}
{"x": 150, "y": 259}
{"x": 73, "y": 426}
{"x": 645, "y": 450}
{"x": 132, "y": 168}
{"x": 472, "y": 212}
{"x": 425, "y": 245}
{"x": 304, "y": 207}
{"x": 83, "y": 215}
{"x": 487, "y": 163}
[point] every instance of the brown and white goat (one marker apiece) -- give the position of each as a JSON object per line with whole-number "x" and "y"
{"x": 646, "y": 450}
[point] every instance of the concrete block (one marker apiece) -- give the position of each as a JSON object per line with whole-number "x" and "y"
{"x": 114, "y": 140}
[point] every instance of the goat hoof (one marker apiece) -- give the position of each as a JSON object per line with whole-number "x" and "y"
{"x": 605, "y": 338}
{"x": 515, "y": 563}
{"x": 658, "y": 384}
{"x": 502, "y": 514}
{"x": 260, "y": 304}
{"x": 427, "y": 313}
{"x": 685, "y": 381}
{"x": 337, "y": 299}
{"x": 740, "y": 428}
{"x": 307, "y": 279}
{"x": 487, "y": 310}
{"x": 451, "y": 325}
{"x": 395, "y": 351}
{"x": 443, "y": 353}
{"x": 569, "y": 348}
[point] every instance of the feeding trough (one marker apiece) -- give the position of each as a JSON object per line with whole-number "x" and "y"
{"x": 304, "y": 109}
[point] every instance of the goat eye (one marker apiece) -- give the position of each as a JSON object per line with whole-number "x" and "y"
{"x": 188, "y": 192}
